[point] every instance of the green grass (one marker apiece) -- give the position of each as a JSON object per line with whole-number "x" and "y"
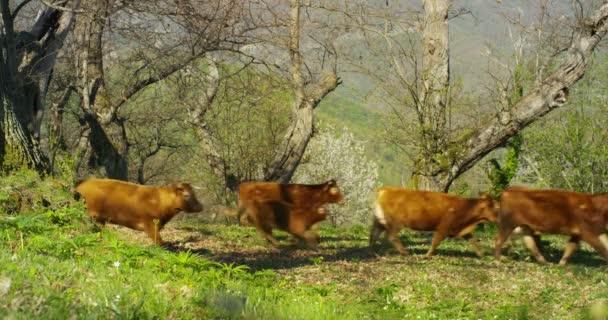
{"x": 56, "y": 264}
{"x": 73, "y": 269}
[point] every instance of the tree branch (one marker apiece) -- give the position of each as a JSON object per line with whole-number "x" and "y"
{"x": 548, "y": 95}
{"x": 9, "y": 38}
{"x": 43, "y": 22}
{"x": 327, "y": 85}
{"x": 19, "y": 7}
{"x": 60, "y": 5}
{"x": 133, "y": 89}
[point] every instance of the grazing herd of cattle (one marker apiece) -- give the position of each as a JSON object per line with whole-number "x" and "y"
{"x": 295, "y": 208}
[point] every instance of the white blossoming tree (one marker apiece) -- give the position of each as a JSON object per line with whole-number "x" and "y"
{"x": 340, "y": 156}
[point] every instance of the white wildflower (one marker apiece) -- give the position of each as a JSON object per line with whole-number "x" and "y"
{"x": 5, "y": 285}
{"x": 341, "y": 157}
{"x": 116, "y": 264}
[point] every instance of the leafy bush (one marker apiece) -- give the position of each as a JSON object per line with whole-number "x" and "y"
{"x": 569, "y": 152}
{"x": 567, "y": 149}
{"x": 341, "y": 157}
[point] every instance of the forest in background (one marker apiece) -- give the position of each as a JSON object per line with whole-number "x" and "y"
{"x": 369, "y": 93}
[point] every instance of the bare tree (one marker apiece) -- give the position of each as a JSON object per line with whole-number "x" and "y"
{"x": 274, "y": 49}
{"x": 28, "y": 53}
{"x": 550, "y": 93}
{"x": 163, "y": 41}
{"x": 307, "y": 97}
{"x": 444, "y": 151}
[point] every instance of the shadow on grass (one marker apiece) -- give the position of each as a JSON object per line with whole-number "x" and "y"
{"x": 200, "y": 231}
{"x": 287, "y": 257}
{"x": 333, "y": 248}
{"x": 553, "y": 254}
{"x": 420, "y": 248}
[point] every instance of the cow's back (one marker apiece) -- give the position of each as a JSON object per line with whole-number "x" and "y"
{"x": 271, "y": 191}
{"x": 418, "y": 210}
{"x": 120, "y": 202}
{"x": 551, "y": 211}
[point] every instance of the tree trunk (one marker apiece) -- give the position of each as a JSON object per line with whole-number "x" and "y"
{"x": 19, "y": 95}
{"x": 544, "y": 98}
{"x": 107, "y": 137}
{"x": 56, "y": 139}
{"x": 291, "y": 150}
{"x": 18, "y": 148}
{"x": 294, "y": 144}
{"x": 438, "y": 167}
{"x": 105, "y": 159}
{"x": 433, "y": 98}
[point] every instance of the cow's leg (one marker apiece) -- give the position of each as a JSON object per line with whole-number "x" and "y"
{"x": 538, "y": 241}
{"x": 300, "y": 230}
{"x": 377, "y": 229}
{"x": 474, "y": 244}
{"x": 95, "y": 216}
{"x": 311, "y": 238}
{"x": 530, "y": 242}
{"x": 569, "y": 249}
{"x": 598, "y": 241}
{"x": 245, "y": 219}
{"x": 465, "y": 233}
{"x": 504, "y": 231}
{"x": 393, "y": 237}
{"x": 258, "y": 215}
{"x": 153, "y": 231}
{"x": 437, "y": 237}
{"x": 266, "y": 231}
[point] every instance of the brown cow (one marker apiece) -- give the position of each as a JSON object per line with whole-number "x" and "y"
{"x": 294, "y": 208}
{"x": 143, "y": 208}
{"x": 580, "y": 215}
{"x": 447, "y": 215}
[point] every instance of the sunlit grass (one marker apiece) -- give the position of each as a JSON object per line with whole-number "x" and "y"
{"x": 56, "y": 264}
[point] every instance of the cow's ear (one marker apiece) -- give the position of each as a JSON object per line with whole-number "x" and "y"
{"x": 484, "y": 195}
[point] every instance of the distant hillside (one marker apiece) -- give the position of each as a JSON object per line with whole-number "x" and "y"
{"x": 472, "y": 38}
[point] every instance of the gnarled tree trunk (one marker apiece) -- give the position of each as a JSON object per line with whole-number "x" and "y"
{"x": 27, "y": 59}
{"x": 106, "y": 136}
{"x": 300, "y": 131}
{"x": 433, "y": 97}
{"x": 549, "y": 94}
{"x": 17, "y": 146}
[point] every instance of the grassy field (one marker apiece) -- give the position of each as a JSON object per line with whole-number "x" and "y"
{"x": 56, "y": 264}
{"x": 60, "y": 265}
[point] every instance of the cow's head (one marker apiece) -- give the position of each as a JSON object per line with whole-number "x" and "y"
{"x": 485, "y": 208}
{"x": 187, "y": 200}
{"x": 332, "y": 192}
